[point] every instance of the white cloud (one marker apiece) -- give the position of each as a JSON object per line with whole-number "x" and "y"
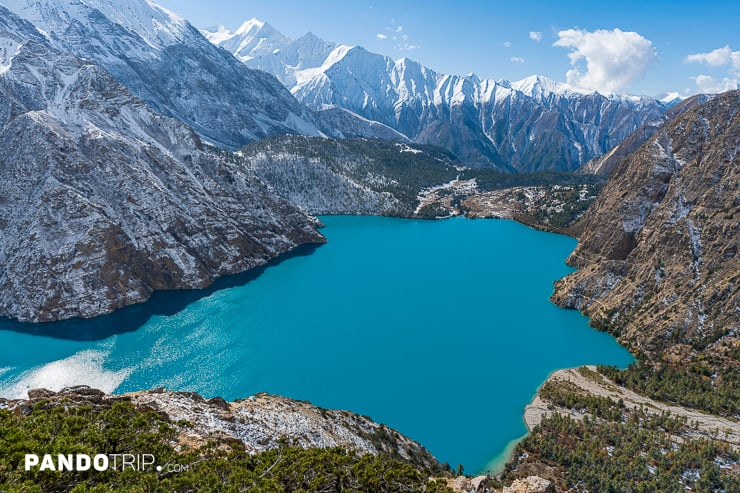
{"x": 613, "y": 59}
{"x": 381, "y": 36}
{"x": 507, "y": 44}
{"x": 709, "y": 85}
{"x": 717, "y": 58}
{"x": 517, "y": 59}
{"x": 721, "y": 57}
{"x": 535, "y": 35}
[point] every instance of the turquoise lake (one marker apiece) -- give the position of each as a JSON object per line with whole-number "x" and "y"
{"x": 440, "y": 329}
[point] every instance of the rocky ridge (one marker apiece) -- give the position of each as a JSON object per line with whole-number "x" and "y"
{"x": 353, "y": 176}
{"x": 657, "y": 259}
{"x": 371, "y": 176}
{"x": 260, "y": 422}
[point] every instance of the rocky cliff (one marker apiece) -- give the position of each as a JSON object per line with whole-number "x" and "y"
{"x": 658, "y": 257}
{"x": 102, "y": 201}
{"x": 166, "y": 441}
{"x": 605, "y": 164}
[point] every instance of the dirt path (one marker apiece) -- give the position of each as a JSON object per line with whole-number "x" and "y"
{"x": 709, "y": 426}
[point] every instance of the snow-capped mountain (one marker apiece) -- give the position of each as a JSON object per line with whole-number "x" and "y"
{"x": 253, "y": 38}
{"x": 527, "y": 125}
{"x": 263, "y": 47}
{"x": 671, "y": 98}
{"x": 168, "y": 63}
{"x": 103, "y": 201}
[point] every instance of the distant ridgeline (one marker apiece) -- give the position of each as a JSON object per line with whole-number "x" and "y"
{"x": 531, "y": 125}
{"x": 364, "y": 176}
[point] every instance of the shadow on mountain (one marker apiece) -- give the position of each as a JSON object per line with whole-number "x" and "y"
{"x": 128, "y": 319}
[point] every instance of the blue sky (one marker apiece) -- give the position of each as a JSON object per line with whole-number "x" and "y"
{"x": 639, "y": 47}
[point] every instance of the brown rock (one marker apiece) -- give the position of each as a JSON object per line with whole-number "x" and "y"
{"x": 657, "y": 258}
{"x": 38, "y": 394}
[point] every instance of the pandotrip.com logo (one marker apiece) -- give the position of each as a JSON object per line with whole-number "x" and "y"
{"x": 99, "y": 462}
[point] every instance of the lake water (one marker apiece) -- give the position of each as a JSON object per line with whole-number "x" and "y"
{"x": 440, "y": 329}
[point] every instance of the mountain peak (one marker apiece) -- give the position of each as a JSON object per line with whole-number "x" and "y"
{"x": 252, "y": 24}
{"x": 671, "y": 98}
{"x": 252, "y": 39}
{"x": 539, "y": 85}
{"x": 473, "y": 76}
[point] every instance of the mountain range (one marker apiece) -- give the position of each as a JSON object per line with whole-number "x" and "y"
{"x": 103, "y": 201}
{"x": 165, "y": 61}
{"x": 98, "y": 96}
{"x": 529, "y": 125}
{"x": 337, "y": 91}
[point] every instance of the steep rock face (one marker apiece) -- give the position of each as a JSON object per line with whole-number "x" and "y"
{"x": 166, "y": 62}
{"x": 658, "y": 256}
{"x": 102, "y": 201}
{"x": 530, "y": 125}
{"x": 605, "y": 164}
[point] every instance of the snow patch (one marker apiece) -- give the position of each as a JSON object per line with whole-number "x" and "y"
{"x": 9, "y": 48}
{"x": 682, "y": 209}
{"x": 405, "y": 148}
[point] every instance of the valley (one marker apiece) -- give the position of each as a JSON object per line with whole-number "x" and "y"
{"x": 161, "y": 186}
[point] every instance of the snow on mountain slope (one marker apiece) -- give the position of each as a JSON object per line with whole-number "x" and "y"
{"x": 262, "y": 47}
{"x": 537, "y": 86}
{"x": 253, "y": 38}
{"x": 104, "y": 201}
{"x": 155, "y": 25}
{"x": 528, "y": 125}
{"x": 168, "y": 63}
